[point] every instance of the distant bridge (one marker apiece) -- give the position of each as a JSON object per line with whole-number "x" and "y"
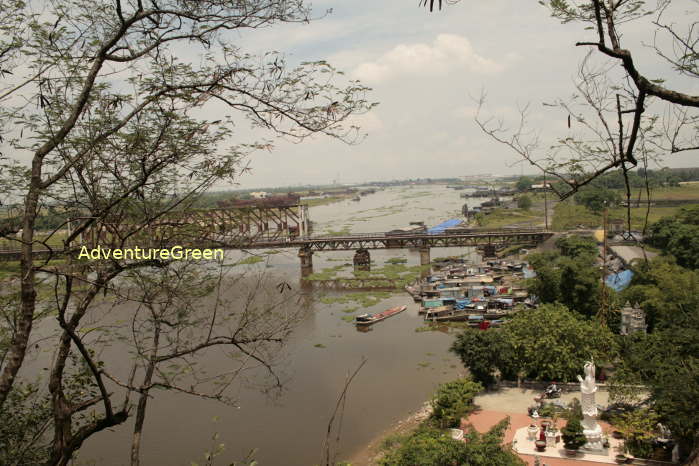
{"x": 490, "y": 240}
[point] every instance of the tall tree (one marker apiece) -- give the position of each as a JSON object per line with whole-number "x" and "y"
{"x": 108, "y": 101}
{"x": 618, "y": 129}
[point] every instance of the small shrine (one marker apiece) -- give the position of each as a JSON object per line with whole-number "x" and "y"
{"x": 633, "y": 319}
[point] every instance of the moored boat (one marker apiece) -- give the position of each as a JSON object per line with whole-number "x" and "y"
{"x": 369, "y": 319}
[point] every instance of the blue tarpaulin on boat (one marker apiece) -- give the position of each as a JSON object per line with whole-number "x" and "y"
{"x": 619, "y": 281}
{"x": 435, "y": 230}
{"x": 462, "y": 303}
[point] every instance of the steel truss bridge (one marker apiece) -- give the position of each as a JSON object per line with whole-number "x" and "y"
{"x": 497, "y": 238}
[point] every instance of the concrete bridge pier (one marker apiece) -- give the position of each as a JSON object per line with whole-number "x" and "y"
{"x": 362, "y": 260}
{"x": 424, "y": 256}
{"x": 306, "y": 256}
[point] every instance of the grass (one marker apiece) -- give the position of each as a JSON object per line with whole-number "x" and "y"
{"x": 568, "y": 215}
{"x": 689, "y": 192}
{"x": 501, "y": 217}
{"x": 55, "y": 242}
{"x": 638, "y": 214}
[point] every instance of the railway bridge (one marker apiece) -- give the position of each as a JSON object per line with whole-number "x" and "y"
{"x": 490, "y": 240}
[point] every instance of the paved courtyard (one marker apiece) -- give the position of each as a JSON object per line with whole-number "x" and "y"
{"x": 513, "y": 402}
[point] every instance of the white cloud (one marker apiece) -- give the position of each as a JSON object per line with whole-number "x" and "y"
{"x": 448, "y": 53}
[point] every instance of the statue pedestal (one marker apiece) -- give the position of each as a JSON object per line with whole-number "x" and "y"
{"x": 593, "y": 433}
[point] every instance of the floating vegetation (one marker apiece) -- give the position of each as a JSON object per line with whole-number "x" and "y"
{"x": 397, "y": 260}
{"x": 247, "y": 261}
{"x": 423, "y": 364}
{"x": 363, "y": 298}
{"x": 319, "y": 345}
{"x": 273, "y": 251}
{"x": 326, "y": 274}
{"x": 347, "y": 318}
{"x": 350, "y": 310}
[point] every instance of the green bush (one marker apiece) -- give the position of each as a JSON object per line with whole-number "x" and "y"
{"x": 572, "y": 433}
{"x": 454, "y": 400}
{"x": 524, "y": 202}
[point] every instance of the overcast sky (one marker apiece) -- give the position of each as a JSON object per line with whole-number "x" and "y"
{"x": 424, "y": 68}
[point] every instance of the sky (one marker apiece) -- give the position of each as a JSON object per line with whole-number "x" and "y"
{"x": 425, "y": 70}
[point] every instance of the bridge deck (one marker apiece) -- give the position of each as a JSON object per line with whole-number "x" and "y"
{"x": 350, "y": 242}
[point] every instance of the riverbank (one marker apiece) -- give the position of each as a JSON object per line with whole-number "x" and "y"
{"x": 492, "y": 406}
{"x": 372, "y": 453}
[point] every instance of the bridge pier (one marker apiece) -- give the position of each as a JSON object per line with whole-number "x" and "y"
{"x": 306, "y": 256}
{"x": 489, "y": 250}
{"x": 424, "y": 256}
{"x": 362, "y": 260}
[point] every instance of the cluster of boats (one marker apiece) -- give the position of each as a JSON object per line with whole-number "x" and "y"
{"x": 458, "y": 292}
{"x": 481, "y": 295}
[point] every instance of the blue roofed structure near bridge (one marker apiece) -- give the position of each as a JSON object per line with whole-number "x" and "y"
{"x": 439, "y": 229}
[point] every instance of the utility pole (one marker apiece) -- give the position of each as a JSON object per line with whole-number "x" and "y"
{"x": 602, "y": 313}
{"x": 546, "y": 204}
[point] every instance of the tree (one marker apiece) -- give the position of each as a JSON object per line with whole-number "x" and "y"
{"x": 454, "y": 400}
{"x": 678, "y": 236}
{"x": 546, "y": 285}
{"x": 524, "y": 183}
{"x": 481, "y": 352}
{"x": 621, "y": 131}
{"x": 667, "y": 293}
{"x": 550, "y": 343}
{"x": 596, "y": 199}
{"x": 576, "y": 246}
{"x": 524, "y": 202}
{"x": 638, "y": 427}
{"x": 427, "y": 446}
{"x": 572, "y": 281}
{"x": 431, "y": 446}
{"x": 665, "y": 361}
{"x": 115, "y": 145}
{"x": 573, "y": 436}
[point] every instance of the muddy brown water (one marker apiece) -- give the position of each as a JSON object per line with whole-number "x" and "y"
{"x": 402, "y": 370}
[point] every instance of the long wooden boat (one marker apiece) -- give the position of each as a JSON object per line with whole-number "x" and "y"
{"x": 369, "y": 319}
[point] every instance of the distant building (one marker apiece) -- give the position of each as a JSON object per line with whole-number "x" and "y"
{"x": 540, "y": 187}
{"x": 633, "y": 319}
{"x": 259, "y": 195}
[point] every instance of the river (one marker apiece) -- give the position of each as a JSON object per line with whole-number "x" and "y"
{"x": 402, "y": 370}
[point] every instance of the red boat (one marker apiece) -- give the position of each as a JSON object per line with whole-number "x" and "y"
{"x": 368, "y": 319}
